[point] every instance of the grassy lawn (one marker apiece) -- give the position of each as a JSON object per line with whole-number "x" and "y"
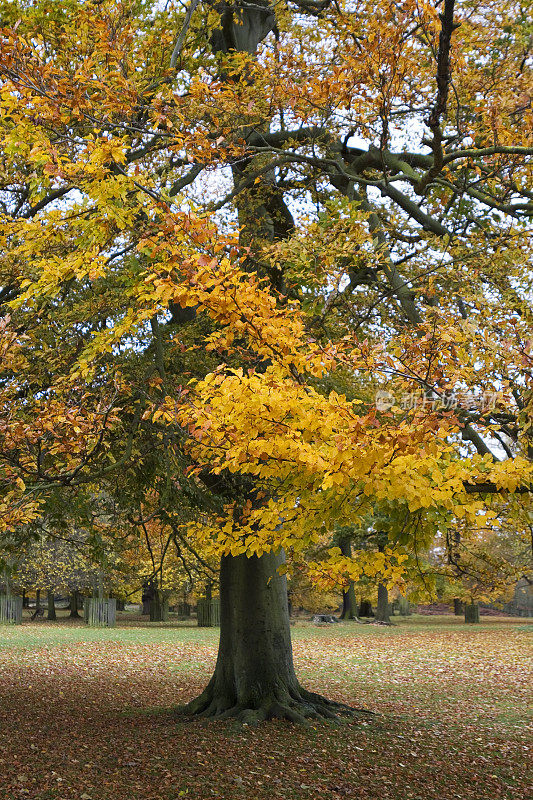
{"x": 87, "y": 713}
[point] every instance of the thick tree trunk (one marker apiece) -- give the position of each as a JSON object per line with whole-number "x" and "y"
{"x": 458, "y": 607}
{"x": 74, "y": 605}
{"x": 37, "y": 599}
{"x": 349, "y": 603}
{"x": 156, "y": 610}
{"x": 158, "y": 607}
{"x": 365, "y": 609}
{"x": 254, "y": 677}
{"x": 382, "y": 610}
{"x": 50, "y": 599}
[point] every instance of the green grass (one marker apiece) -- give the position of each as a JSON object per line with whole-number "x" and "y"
{"x": 89, "y": 712}
{"x": 130, "y": 629}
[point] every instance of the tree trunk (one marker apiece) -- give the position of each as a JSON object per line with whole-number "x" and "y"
{"x": 382, "y": 610}
{"x": 37, "y": 599}
{"x": 147, "y": 596}
{"x": 471, "y": 612}
{"x": 74, "y": 605}
{"x": 156, "y": 610}
{"x": 119, "y": 604}
{"x": 458, "y": 607}
{"x": 349, "y": 602}
{"x": 365, "y": 609}
{"x": 158, "y": 607}
{"x": 254, "y": 677}
{"x": 50, "y": 600}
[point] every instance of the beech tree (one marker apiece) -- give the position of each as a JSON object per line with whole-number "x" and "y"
{"x": 273, "y": 262}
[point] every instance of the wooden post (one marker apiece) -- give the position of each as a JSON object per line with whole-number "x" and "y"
{"x": 10, "y": 609}
{"x": 99, "y": 613}
{"x": 208, "y": 612}
{"x": 471, "y": 612}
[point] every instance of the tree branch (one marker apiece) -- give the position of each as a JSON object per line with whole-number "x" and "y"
{"x": 183, "y": 33}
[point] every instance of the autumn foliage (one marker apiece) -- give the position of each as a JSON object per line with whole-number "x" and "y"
{"x": 214, "y": 265}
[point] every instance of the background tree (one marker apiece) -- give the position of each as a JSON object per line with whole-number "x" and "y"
{"x": 58, "y": 563}
{"x": 164, "y": 560}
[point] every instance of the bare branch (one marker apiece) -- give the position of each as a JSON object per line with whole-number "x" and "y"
{"x": 444, "y": 75}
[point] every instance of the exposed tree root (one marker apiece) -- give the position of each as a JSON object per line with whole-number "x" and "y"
{"x": 294, "y": 704}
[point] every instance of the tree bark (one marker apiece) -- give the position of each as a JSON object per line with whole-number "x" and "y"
{"x": 147, "y": 597}
{"x": 74, "y": 605}
{"x": 254, "y": 677}
{"x": 365, "y": 609}
{"x": 156, "y": 607}
{"x": 349, "y": 602}
{"x": 458, "y": 607}
{"x": 382, "y": 610}
{"x": 50, "y": 600}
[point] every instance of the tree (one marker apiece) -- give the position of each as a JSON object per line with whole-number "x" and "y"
{"x": 284, "y": 205}
{"x": 484, "y": 562}
{"x": 57, "y": 561}
{"x": 161, "y": 558}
